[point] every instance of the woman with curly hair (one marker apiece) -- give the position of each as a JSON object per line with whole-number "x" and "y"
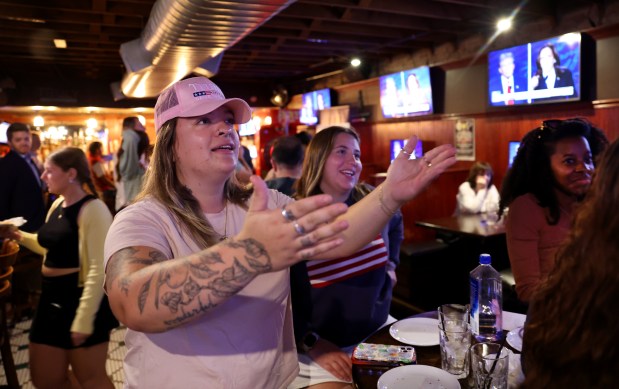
{"x": 549, "y": 177}
{"x": 572, "y": 330}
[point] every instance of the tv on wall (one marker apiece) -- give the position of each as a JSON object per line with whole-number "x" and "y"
{"x": 312, "y": 103}
{"x": 396, "y": 146}
{"x": 537, "y": 72}
{"x": 407, "y": 93}
{"x": 512, "y": 151}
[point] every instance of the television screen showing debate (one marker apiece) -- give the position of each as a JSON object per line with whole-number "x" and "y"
{"x": 407, "y": 93}
{"x": 538, "y": 72}
{"x": 312, "y": 103}
{"x": 396, "y": 146}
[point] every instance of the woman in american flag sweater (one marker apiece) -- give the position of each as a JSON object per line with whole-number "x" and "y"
{"x": 337, "y": 303}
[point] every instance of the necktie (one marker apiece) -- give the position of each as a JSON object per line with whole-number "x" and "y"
{"x": 510, "y": 101}
{"x": 34, "y": 169}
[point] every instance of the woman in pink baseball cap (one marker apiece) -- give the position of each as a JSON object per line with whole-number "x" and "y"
{"x": 198, "y": 267}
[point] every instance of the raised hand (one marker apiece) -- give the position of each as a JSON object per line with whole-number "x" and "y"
{"x": 406, "y": 178}
{"x": 299, "y": 231}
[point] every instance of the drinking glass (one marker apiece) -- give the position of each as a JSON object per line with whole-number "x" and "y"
{"x": 455, "y": 341}
{"x": 489, "y": 366}
{"x": 454, "y": 312}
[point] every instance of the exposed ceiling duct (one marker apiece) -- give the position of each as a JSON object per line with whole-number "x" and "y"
{"x": 185, "y": 36}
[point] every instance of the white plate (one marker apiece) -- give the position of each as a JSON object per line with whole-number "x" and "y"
{"x": 514, "y": 338}
{"x": 512, "y": 320}
{"x": 416, "y": 331}
{"x": 417, "y": 377}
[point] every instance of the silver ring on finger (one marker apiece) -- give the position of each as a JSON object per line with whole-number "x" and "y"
{"x": 428, "y": 163}
{"x": 405, "y": 152}
{"x": 288, "y": 215}
{"x": 298, "y": 228}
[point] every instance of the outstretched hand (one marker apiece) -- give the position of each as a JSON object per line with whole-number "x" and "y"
{"x": 406, "y": 178}
{"x": 297, "y": 232}
{"x": 9, "y": 231}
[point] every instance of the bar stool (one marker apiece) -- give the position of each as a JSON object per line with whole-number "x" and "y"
{"x": 6, "y": 272}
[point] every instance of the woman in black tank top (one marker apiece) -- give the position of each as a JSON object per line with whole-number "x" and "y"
{"x": 73, "y": 319}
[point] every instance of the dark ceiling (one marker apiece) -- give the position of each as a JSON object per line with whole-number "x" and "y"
{"x": 308, "y": 38}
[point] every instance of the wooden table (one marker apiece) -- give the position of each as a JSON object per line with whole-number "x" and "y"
{"x": 366, "y": 377}
{"x": 472, "y": 225}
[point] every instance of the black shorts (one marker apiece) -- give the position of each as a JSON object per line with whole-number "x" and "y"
{"x": 60, "y": 297}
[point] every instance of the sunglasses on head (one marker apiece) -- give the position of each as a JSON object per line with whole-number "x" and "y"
{"x": 554, "y": 124}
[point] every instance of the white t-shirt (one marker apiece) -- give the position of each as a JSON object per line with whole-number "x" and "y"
{"x": 246, "y": 342}
{"x": 469, "y": 202}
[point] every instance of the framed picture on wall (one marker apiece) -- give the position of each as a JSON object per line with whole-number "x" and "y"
{"x": 464, "y": 139}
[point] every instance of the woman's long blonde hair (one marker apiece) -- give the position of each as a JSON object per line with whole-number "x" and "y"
{"x": 162, "y": 184}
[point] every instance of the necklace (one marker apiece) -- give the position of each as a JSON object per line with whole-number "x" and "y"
{"x": 225, "y": 235}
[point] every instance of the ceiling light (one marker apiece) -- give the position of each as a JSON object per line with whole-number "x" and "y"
{"x": 279, "y": 97}
{"x": 38, "y": 121}
{"x": 355, "y": 62}
{"x": 60, "y": 43}
{"x": 92, "y": 123}
{"x": 504, "y": 24}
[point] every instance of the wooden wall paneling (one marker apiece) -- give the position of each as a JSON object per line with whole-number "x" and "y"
{"x": 492, "y": 134}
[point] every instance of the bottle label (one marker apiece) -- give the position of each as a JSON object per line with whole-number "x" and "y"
{"x": 474, "y": 312}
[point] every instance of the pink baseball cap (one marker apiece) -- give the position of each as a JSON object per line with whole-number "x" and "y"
{"x": 194, "y": 97}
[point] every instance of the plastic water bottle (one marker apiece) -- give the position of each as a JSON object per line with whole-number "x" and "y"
{"x": 486, "y": 301}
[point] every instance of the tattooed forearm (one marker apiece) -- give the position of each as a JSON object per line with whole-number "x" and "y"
{"x": 187, "y": 316}
{"x": 143, "y": 295}
{"x": 203, "y": 269}
{"x": 186, "y": 287}
{"x": 223, "y": 283}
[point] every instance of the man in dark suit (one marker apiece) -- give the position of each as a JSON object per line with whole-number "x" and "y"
{"x": 508, "y": 82}
{"x": 21, "y": 193}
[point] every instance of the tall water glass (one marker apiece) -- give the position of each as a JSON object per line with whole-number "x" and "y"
{"x": 455, "y": 341}
{"x": 453, "y": 312}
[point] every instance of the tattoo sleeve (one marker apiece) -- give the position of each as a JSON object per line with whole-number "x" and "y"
{"x": 184, "y": 288}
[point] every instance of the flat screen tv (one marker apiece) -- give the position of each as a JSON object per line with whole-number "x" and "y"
{"x": 312, "y": 103}
{"x": 512, "y": 151}
{"x": 398, "y": 144}
{"x": 537, "y": 72}
{"x": 407, "y": 93}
